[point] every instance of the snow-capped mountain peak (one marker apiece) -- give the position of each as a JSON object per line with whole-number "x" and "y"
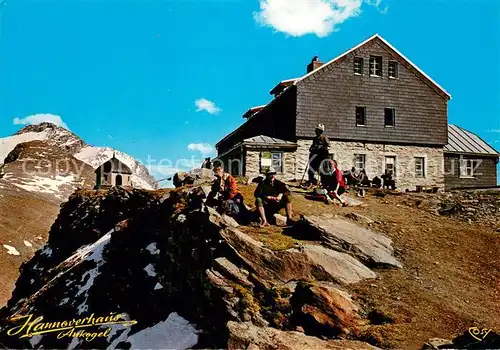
{"x": 64, "y": 143}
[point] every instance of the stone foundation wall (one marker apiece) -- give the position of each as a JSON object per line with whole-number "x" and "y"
{"x": 344, "y": 153}
{"x": 252, "y": 166}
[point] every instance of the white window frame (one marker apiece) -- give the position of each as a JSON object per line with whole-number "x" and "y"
{"x": 279, "y": 170}
{"x": 424, "y": 166}
{"x": 395, "y": 70}
{"x": 362, "y": 63}
{"x": 394, "y": 172}
{"x": 467, "y": 167}
{"x": 356, "y": 161}
{"x": 374, "y": 66}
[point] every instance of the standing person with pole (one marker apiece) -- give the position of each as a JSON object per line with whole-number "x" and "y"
{"x": 318, "y": 152}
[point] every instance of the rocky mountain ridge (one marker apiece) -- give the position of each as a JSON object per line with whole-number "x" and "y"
{"x": 40, "y": 167}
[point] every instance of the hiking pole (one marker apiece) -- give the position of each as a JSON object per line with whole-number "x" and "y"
{"x": 303, "y": 176}
{"x": 307, "y": 168}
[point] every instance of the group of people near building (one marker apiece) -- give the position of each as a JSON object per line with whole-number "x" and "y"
{"x": 331, "y": 177}
{"x": 271, "y": 195}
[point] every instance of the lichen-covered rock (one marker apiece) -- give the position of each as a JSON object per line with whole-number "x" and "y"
{"x": 371, "y": 248}
{"x": 341, "y": 266}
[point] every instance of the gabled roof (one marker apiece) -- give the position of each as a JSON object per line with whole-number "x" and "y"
{"x": 116, "y": 166}
{"x": 463, "y": 141}
{"x": 376, "y": 36}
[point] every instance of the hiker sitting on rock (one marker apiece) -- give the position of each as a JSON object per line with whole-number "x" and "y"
{"x": 225, "y": 194}
{"x": 271, "y": 195}
{"x": 334, "y": 183}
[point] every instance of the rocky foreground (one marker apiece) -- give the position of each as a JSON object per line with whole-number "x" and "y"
{"x": 190, "y": 277}
{"x": 149, "y": 254}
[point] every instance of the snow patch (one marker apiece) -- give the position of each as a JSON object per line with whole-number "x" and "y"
{"x": 11, "y": 250}
{"x": 7, "y": 144}
{"x": 75, "y": 342}
{"x": 174, "y": 333}
{"x": 92, "y": 252}
{"x": 150, "y": 270}
{"x": 28, "y": 244}
{"x": 50, "y": 185}
{"x": 47, "y": 251}
{"x": 158, "y": 286}
{"x": 35, "y": 340}
{"x": 153, "y": 249}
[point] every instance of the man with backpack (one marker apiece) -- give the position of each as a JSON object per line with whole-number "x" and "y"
{"x": 225, "y": 194}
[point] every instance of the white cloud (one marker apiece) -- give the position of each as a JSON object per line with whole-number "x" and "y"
{"x": 493, "y": 130}
{"x": 164, "y": 170}
{"x": 40, "y": 118}
{"x": 203, "y": 148}
{"x": 301, "y": 17}
{"x": 203, "y": 104}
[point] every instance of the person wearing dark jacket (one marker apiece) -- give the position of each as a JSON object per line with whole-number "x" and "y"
{"x": 318, "y": 152}
{"x": 272, "y": 195}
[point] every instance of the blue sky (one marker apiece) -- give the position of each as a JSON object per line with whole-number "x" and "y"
{"x": 128, "y": 73}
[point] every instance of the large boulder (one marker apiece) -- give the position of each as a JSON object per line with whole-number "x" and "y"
{"x": 322, "y": 309}
{"x": 342, "y": 266}
{"x": 306, "y": 263}
{"x": 248, "y": 336}
{"x": 371, "y": 248}
{"x": 195, "y": 177}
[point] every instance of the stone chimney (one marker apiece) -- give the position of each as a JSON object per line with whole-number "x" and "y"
{"x": 315, "y": 63}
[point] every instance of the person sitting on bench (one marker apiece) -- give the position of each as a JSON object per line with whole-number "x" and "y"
{"x": 271, "y": 195}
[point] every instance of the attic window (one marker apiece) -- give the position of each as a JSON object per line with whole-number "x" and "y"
{"x": 358, "y": 65}
{"x": 376, "y": 66}
{"x": 393, "y": 69}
